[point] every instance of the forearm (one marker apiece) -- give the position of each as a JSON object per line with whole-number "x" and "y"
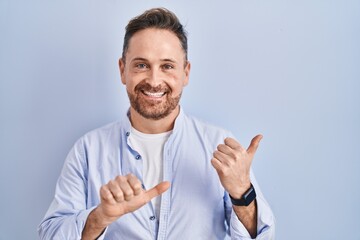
{"x": 94, "y": 226}
{"x": 63, "y": 224}
{"x": 255, "y": 221}
{"x": 248, "y": 217}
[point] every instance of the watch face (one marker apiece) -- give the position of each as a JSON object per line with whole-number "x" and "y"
{"x": 251, "y": 195}
{"x": 246, "y": 195}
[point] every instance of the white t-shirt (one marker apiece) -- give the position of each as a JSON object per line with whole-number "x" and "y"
{"x": 150, "y": 147}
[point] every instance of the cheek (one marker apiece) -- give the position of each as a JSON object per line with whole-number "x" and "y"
{"x": 180, "y": 81}
{"x": 132, "y": 80}
{"x": 177, "y": 87}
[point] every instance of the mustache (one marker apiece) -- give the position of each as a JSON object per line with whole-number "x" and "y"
{"x": 144, "y": 86}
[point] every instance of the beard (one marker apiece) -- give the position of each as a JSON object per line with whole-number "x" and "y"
{"x": 153, "y": 109}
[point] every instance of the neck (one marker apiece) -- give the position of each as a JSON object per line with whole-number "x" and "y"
{"x": 151, "y": 126}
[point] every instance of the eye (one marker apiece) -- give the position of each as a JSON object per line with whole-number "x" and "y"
{"x": 167, "y": 66}
{"x": 141, "y": 66}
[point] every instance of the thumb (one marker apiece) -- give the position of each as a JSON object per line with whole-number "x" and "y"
{"x": 254, "y": 144}
{"x": 157, "y": 190}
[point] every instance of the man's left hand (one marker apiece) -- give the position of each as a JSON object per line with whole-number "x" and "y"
{"x": 232, "y": 163}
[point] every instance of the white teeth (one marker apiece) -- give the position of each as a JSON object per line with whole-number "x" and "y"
{"x": 152, "y": 94}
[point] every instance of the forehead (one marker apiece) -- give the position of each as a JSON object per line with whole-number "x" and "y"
{"x": 155, "y": 43}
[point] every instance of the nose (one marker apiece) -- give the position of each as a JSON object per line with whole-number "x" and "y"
{"x": 155, "y": 77}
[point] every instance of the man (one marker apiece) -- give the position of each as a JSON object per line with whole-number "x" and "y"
{"x": 158, "y": 174}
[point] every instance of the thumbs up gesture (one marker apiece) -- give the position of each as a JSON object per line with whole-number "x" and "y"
{"x": 232, "y": 163}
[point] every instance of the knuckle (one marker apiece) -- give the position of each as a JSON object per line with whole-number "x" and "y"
{"x": 112, "y": 183}
{"x": 137, "y": 186}
{"x": 220, "y": 146}
{"x": 239, "y": 148}
{"x": 128, "y": 193}
{"x": 119, "y": 178}
{"x": 230, "y": 141}
{"x": 103, "y": 190}
{"x": 119, "y": 195}
{"x": 130, "y": 175}
{"x": 133, "y": 179}
{"x": 215, "y": 153}
{"x": 237, "y": 157}
{"x": 106, "y": 195}
{"x": 234, "y": 155}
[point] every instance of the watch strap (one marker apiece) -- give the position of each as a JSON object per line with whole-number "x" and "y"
{"x": 246, "y": 199}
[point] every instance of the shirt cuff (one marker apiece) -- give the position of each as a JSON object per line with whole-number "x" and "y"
{"x": 81, "y": 221}
{"x": 265, "y": 223}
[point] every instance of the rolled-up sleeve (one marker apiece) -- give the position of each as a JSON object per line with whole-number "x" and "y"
{"x": 67, "y": 214}
{"x": 265, "y": 219}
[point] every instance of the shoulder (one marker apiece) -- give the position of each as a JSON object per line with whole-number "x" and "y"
{"x": 108, "y": 133}
{"x": 104, "y": 130}
{"x": 201, "y": 123}
{"x": 206, "y": 129}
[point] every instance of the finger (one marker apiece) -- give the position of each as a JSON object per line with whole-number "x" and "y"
{"x": 126, "y": 188}
{"x": 225, "y": 149}
{"x": 157, "y": 190}
{"x": 106, "y": 195}
{"x": 115, "y": 190}
{"x": 135, "y": 184}
{"x": 254, "y": 144}
{"x": 221, "y": 157}
{"x": 216, "y": 164}
{"x": 232, "y": 143}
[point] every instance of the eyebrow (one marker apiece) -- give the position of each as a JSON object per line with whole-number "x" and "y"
{"x": 145, "y": 60}
{"x": 138, "y": 59}
{"x": 168, "y": 60}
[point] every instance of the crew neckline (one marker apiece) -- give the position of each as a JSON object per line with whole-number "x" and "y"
{"x": 150, "y": 135}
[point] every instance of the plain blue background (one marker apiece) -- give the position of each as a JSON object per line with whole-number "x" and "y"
{"x": 287, "y": 69}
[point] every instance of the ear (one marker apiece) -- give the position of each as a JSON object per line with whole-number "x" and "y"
{"x": 187, "y": 73}
{"x": 122, "y": 70}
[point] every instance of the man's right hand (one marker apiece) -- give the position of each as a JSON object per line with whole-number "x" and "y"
{"x": 125, "y": 194}
{"x": 122, "y": 195}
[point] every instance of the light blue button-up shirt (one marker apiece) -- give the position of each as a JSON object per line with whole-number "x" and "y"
{"x": 195, "y": 207}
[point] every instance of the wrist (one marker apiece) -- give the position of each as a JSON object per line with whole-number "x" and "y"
{"x": 94, "y": 226}
{"x": 240, "y": 190}
{"x": 99, "y": 220}
{"x": 246, "y": 199}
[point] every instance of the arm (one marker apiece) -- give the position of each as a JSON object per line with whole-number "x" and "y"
{"x": 68, "y": 211}
{"x": 122, "y": 195}
{"x": 264, "y": 217}
{"x": 248, "y": 217}
{"x": 69, "y": 217}
{"x": 233, "y": 163}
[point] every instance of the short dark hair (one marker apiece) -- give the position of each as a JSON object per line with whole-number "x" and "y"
{"x": 160, "y": 18}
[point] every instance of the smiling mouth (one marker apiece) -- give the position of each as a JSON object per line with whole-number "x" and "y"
{"x": 154, "y": 94}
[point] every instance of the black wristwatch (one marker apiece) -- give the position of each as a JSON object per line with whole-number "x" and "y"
{"x": 246, "y": 199}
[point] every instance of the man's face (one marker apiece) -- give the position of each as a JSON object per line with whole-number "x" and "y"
{"x": 154, "y": 71}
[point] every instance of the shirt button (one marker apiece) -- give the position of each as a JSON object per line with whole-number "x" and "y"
{"x": 138, "y": 157}
{"x": 152, "y": 218}
{"x": 127, "y": 133}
